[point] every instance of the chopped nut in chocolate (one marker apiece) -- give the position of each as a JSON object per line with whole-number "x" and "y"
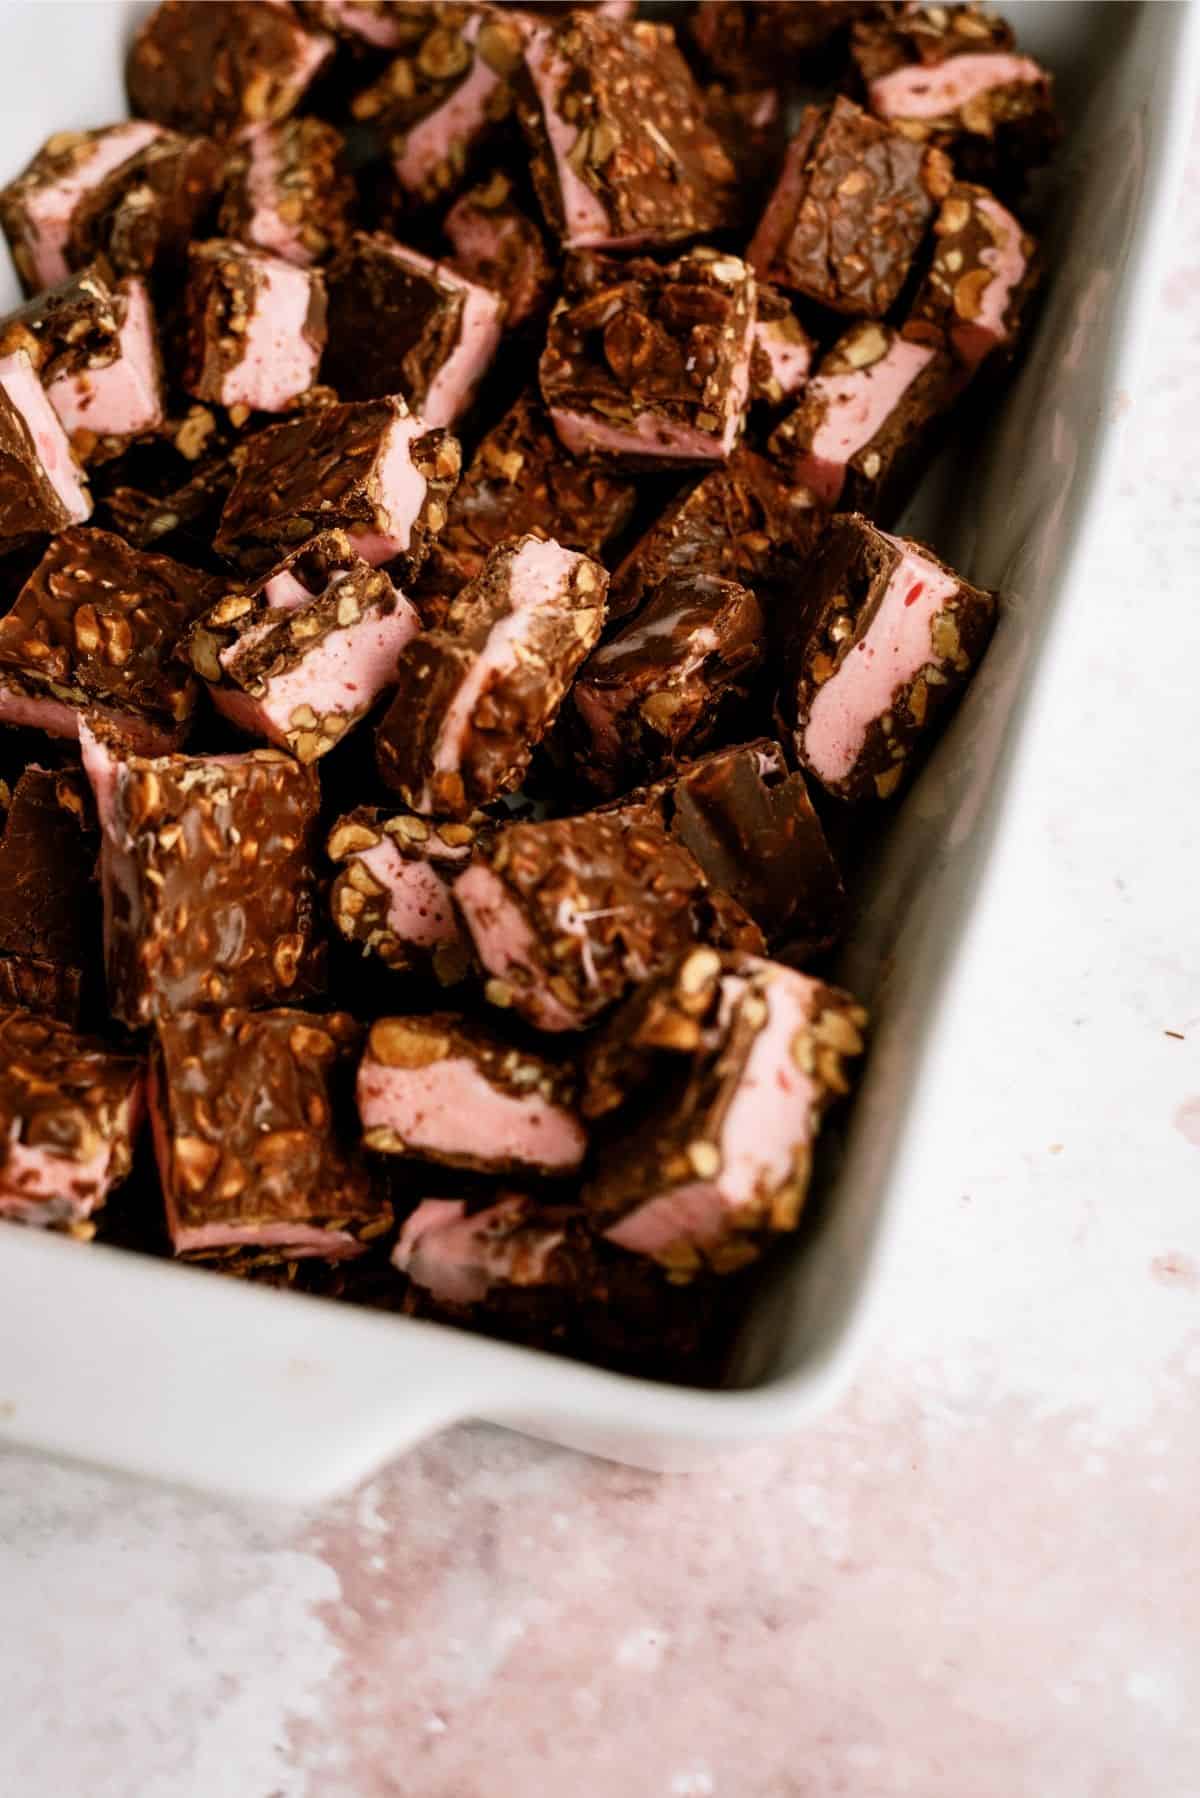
{"x": 976, "y": 292}
{"x": 287, "y": 191}
{"x": 222, "y": 66}
{"x": 391, "y": 894}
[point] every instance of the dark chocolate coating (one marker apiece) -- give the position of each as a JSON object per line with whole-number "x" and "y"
{"x": 68, "y": 329}
{"x": 225, "y": 287}
{"x": 748, "y": 44}
{"x": 392, "y": 325}
{"x": 29, "y": 502}
{"x": 218, "y": 65}
{"x": 49, "y": 904}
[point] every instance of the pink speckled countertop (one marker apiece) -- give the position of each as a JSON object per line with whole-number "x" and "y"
{"x": 975, "y": 1579}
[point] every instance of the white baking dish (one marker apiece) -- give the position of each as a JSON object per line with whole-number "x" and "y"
{"x": 175, "y": 1373}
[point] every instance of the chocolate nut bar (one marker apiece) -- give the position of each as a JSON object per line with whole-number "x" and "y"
{"x": 889, "y": 639}
{"x": 254, "y": 1139}
{"x": 459, "y": 1257}
{"x": 747, "y": 43}
{"x": 668, "y": 680}
{"x": 866, "y": 422}
{"x": 445, "y": 1089}
{"x": 567, "y": 915}
{"x": 41, "y": 485}
{"x": 220, "y": 66}
{"x": 850, "y": 210}
{"x": 132, "y": 193}
{"x": 517, "y": 481}
{"x": 374, "y": 470}
{"x": 622, "y": 154}
{"x": 782, "y": 350}
{"x": 300, "y": 655}
{"x": 649, "y": 364}
{"x": 439, "y": 102}
{"x": 978, "y": 287}
{"x": 399, "y": 323}
{"x": 475, "y": 696}
{"x": 742, "y": 1057}
{"x": 49, "y": 903}
{"x": 255, "y": 327}
{"x": 207, "y": 873}
{"x": 497, "y": 245}
{"x": 287, "y": 191}
{"x": 69, "y": 1113}
{"x": 391, "y": 894}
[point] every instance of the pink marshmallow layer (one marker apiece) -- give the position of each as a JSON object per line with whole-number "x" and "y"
{"x": 461, "y": 119}
{"x": 38, "y": 1186}
{"x": 279, "y": 359}
{"x": 50, "y": 209}
{"x": 27, "y": 396}
{"x": 507, "y": 947}
{"x": 453, "y": 386}
{"x": 458, "y": 1258}
{"x": 789, "y": 361}
{"x": 973, "y": 339}
{"x": 267, "y": 229}
{"x": 449, "y": 1107}
{"x": 398, "y": 489}
{"x": 919, "y": 91}
{"x": 419, "y": 908}
{"x": 586, "y": 224}
{"x": 124, "y": 398}
{"x": 857, "y": 405}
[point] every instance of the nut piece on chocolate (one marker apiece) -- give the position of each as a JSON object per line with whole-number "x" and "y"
{"x": 399, "y": 323}
{"x": 69, "y": 1112}
{"x": 437, "y": 105}
{"x": 849, "y": 211}
{"x": 49, "y": 905}
{"x": 568, "y": 915}
{"x": 254, "y": 1136}
{"x": 130, "y": 192}
{"x": 747, "y": 45}
{"x": 95, "y": 348}
{"x": 889, "y": 639}
{"x": 648, "y": 364}
{"x": 782, "y": 350}
{"x": 207, "y": 872}
{"x": 865, "y": 424}
{"x": 519, "y": 480}
{"x": 300, "y": 655}
{"x": 978, "y": 287}
{"x": 951, "y": 75}
{"x": 622, "y": 152}
{"x": 287, "y": 191}
{"x": 668, "y": 681}
{"x": 255, "y": 327}
{"x": 474, "y": 697}
{"x": 497, "y": 245}
{"x": 373, "y": 470}
{"x": 742, "y": 1057}
{"x": 222, "y": 65}
{"x": 446, "y": 1089}
{"x": 95, "y": 630}
{"x": 41, "y": 485}
{"x": 391, "y": 894}
{"x": 740, "y": 522}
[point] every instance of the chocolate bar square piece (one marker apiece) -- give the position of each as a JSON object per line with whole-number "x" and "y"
{"x": 374, "y": 470}
{"x": 666, "y": 682}
{"x": 391, "y": 894}
{"x": 95, "y": 347}
{"x": 622, "y": 153}
{"x": 301, "y": 655}
{"x": 865, "y": 424}
{"x": 567, "y": 915}
{"x": 742, "y": 1057}
{"x": 69, "y": 1112}
{"x": 221, "y": 66}
{"x": 445, "y": 1089}
{"x": 849, "y": 211}
{"x": 41, "y": 485}
{"x": 649, "y": 364}
{"x": 437, "y": 105}
{"x": 497, "y": 245}
{"x": 253, "y": 1133}
{"x": 130, "y": 192}
{"x": 517, "y": 481}
{"x": 94, "y": 631}
{"x": 255, "y": 327}
{"x": 49, "y": 903}
{"x": 399, "y": 323}
{"x": 747, "y": 43}
{"x": 474, "y": 697}
{"x": 287, "y": 191}
{"x": 207, "y": 871}
{"x": 977, "y": 289}
{"x": 889, "y": 638}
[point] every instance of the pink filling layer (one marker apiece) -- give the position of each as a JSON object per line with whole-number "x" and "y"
{"x": 50, "y": 209}
{"x": 779, "y": 213}
{"x": 857, "y": 405}
{"x": 362, "y": 21}
{"x": 506, "y": 946}
{"x": 973, "y": 339}
{"x": 419, "y": 908}
{"x": 38, "y": 1186}
{"x": 454, "y": 384}
{"x": 921, "y": 92}
{"x": 769, "y": 1117}
{"x": 279, "y": 360}
{"x": 585, "y": 221}
{"x": 789, "y": 361}
{"x": 124, "y": 398}
{"x": 399, "y": 493}
{"x": 459, "y": 120}
{"x": 539, "y": 575}
{"x": 457, "y": 1259}
{"x": 898, "y": 643}
{"x": 449, "y": 1106}
{"x": 580, "y": 432}
{"x": 267, "y": 228}
{"x": 58, "y": 719}
{"x": 27, "y": 395}
{"x": 101, "y": 768}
